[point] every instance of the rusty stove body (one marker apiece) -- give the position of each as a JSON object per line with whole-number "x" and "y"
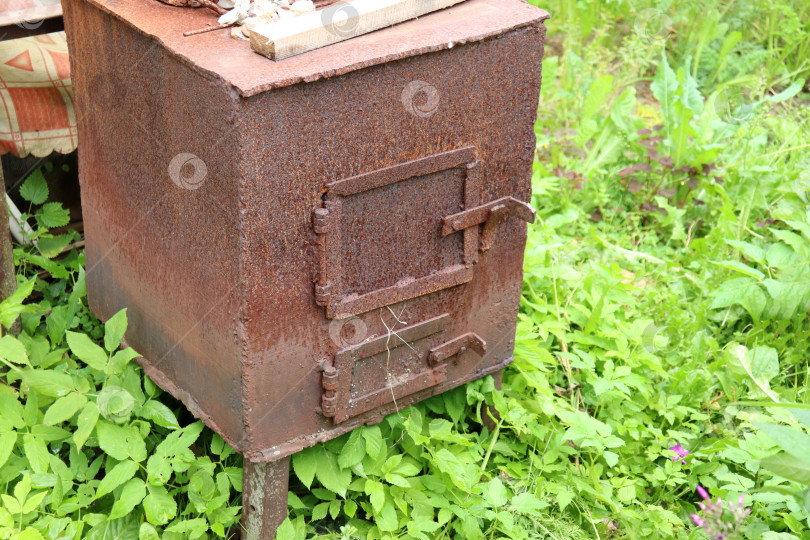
{"x": 307, "y": 245}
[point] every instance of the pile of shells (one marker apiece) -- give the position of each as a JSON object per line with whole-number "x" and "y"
{"x": 250, "y": 13}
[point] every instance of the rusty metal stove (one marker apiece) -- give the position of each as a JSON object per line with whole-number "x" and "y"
{"x": 305, "y": 246}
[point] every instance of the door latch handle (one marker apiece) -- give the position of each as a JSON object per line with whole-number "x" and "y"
{"x": 491, "y": 215}
{"x": 456, "y": 346}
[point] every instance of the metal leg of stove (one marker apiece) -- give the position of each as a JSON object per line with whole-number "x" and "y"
{"x": 264, "y": 498}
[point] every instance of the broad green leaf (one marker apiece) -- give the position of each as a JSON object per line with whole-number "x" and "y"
{"x": 665, "y": 85}
{"x": 86, "y": 423}
{"x": 23, "y": 488}
{"x": 121, "y": 442}
{"x": 496, "y": 493}
{"x": 353, "y": 451}
{"x": 48, "y": 382}
{"x": 742, "y": 268}
{"x": 51, "y": 246}
{"x": 147, "y": 532}
{"x": 131, "y": 495}
{"x": 57, "y": 322}
{"x": 10, "y": 503}
{"x": 597, "y": 96}
{"x": 29, "y": 534}
{"x": 596, "y": 315}
{"x": 159, "y": 506}
{"x": 36, "y": 451}
{"x": 374, "y": 441}
{"x": 790, "y": 439}
{"x": 752, "y": 252}
{"x": 7, "y": 442}
{"x": 193, "y": 527}
{"x": 12, "y": 350}
{"x": 376, "y": 492}
{"x": 121, "y": 358}
{"x": 802, "y": 415}
{"x": 690, "y": 93}
{"x": 114, "y": 330}
{"x": 764, "y": 363}
{"x": 13, "y": 306}
{"x": 743, "y": 291}
{"x": 88, "y": 352}
{"x": 32, "y": 502}
{"x": 53, "y": 214}
{"x": 527, "y": 503}
{"x": 119, "y": 474}
{"x": 790, "y": 467}
{"x": 788, "y": 92}
{"x": 329, "y": 473}
{"x": 304, "y": 463}
{"x": 64, "y": 408}
{"x": 35, "y": 188}
{"x": 159, "y": 413}
{"x": 286, "y": 530}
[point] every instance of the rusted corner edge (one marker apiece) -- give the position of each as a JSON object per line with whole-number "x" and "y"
{"x": 542, "y": 16}
{"x": 166, "y": 384}
{"x": 297, "y": 444}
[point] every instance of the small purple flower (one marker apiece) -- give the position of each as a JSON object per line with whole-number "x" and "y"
{"x": 716, "y": 521}
{"x": 681, "y": 453}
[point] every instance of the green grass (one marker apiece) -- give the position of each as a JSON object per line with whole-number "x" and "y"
{"x": 665, "y": 301}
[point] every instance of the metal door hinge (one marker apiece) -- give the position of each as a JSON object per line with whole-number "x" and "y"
{"x": 329, "y": 380}
{"x": 320, "y": 220}
{"x": 323, "y": 293}
{"x": 456, "y": 346}
{"x": 491, "y": 215}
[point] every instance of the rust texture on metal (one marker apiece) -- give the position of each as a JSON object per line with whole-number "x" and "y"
{"x": 406, "y": 347}
{"x": 275, "y": 228}
{"x": 264, "y": 498}
{"x": 350, "y": 280}
{"x": 495, "y": 210}
{"x": 459, "y": 345}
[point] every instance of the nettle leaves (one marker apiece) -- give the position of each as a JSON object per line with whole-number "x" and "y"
{"x": 416, "y": 472}
{"x": 48, "y": 215}
{"x": 87, "y": 445}
{"x": 772, "y": 275}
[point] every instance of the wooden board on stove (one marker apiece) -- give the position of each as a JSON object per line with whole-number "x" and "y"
{"x": 337, "y": 22}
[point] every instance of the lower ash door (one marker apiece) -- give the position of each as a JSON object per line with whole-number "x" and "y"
{"x": 391, "y": 367}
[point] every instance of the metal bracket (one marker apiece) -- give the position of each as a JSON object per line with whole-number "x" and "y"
{"x": 456, "y": 346}
{"x": 491, "y": 215}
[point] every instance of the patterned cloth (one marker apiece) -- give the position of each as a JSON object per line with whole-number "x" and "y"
{"x": 36, "y": 97}
{"x": 28, "y": 13}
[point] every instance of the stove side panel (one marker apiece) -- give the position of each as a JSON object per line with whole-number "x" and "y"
{"x": 157, "y": 164}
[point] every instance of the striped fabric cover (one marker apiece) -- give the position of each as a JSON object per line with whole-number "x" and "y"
{"x": 36, "y": 97}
